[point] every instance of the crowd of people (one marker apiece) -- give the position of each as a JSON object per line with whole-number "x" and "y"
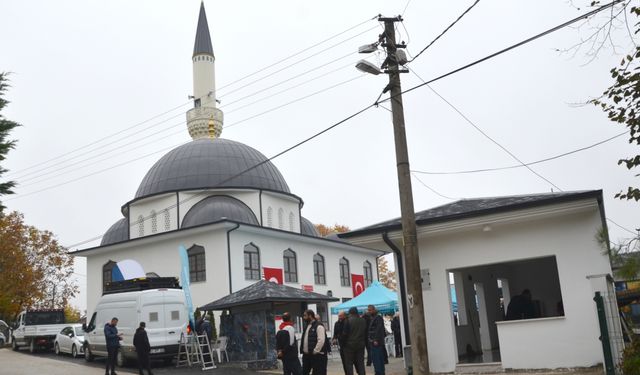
{"x": 353, "y": 334}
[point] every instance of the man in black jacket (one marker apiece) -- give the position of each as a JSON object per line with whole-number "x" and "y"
{"x": 397, "y": 335}
{"x": 314, "y": 345}
{"x": 376, "y": 340}
{"x": 141, "y": 343}
{"x": 112, "y": 338}
{"x": 287, "y": 346}
{"x": 355, "y": 336}
{"x": 339, "y": 336}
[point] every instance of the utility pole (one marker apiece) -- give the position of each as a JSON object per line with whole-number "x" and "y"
{"x": 419, "y": 352}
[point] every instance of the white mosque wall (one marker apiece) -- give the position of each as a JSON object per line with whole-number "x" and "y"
{"x": 204, "y": 79}
{"x": 189, "y": 199}
{"x": 160, "y": 204}
{"x": 283, "y": 210}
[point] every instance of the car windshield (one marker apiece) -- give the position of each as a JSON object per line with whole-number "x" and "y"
{"x": 79, "y": 331}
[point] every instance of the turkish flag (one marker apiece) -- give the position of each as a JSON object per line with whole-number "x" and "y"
{"x": 273, "y": 274}
{"x": 357, "y": 284}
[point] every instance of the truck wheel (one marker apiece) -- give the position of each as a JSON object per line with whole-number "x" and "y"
{"x": 88, "y": 356}
{"x": 74, "y": 351}
{"x": 14, "y": 344}
{"x": 56, "y": 348}
{"x": 32, "y": 347}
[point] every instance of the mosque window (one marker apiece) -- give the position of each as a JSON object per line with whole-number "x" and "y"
{"x": 140, "y": 226}
{"x": 270, "y": 217}
{"x": 154, "y": 222}
{"x": 319, "y": 274}
{"x": 290, "y": 266}
{"x": 281, "y": 218}
{"x": 251, "y": 262}
{"x": 197, "y": 265}
{"x": 368, "y": 273}
{"x": 292, "y": 219}
{"x": 107, "y": 269}
{"x": 167, "y": 220}
{"x": 345, "y": 274}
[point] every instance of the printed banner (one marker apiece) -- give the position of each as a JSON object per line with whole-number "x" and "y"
{"x": 308, "y": 288}
{"x": 357, "y": 284}
{"x": 273, "y": 274}
{"x": 184, "y": 278}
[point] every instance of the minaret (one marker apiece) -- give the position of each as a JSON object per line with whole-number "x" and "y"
{"x": 204, "y": 120}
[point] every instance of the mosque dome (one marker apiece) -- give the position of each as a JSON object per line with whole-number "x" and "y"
{"x": 211, "y": 163}
{"x": 116, "y": 233}
{"x": 307, "y": 228}
{"x": 217, "y": 207}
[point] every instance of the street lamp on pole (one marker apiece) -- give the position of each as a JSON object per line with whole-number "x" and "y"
{"x": 391, "y": 66}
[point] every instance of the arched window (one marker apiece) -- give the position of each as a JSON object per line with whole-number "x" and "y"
{"x": 368, "y": 273}
{"x": 318, "y": 269}
{"x": 280, "y": 218}
{"x": 154, "y": 222}
{"x": 345, "y": 274}
{"x": 270, "y": 217}
{"x": 107, "y": 269}
{"x": 251, "y": 262}
{"x": 290, "y": 266}
{"x": 197, "y": 265}
{"x": 167, "y": 220}
{"x": 140, "y": 226}
{"x": 292, "y": 219}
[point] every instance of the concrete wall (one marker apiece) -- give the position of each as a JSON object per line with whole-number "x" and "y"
{"x": 145, "y": 207}
{"x": 288, "y": 205}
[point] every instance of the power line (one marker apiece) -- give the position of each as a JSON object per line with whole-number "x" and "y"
{"x": 432, "y": 189}
{"x": 520, "y": 165}
{"x": 445, "y": 30}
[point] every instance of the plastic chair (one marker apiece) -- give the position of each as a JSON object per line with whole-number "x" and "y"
{"x": 220, "y": 347}
{"x": 389, "y": 344}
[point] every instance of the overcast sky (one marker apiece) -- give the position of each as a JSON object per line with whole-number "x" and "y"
{"x": 84, "y": 70}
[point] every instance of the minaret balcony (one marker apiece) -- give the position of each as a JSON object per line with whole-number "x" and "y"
{"x": 204, "y": 122}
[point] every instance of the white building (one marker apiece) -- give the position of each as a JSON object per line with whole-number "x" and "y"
{"x": 490, "y": 249}
{"x": 230, "y": 207}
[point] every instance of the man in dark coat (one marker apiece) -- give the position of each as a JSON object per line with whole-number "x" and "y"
{"x": 112, "y": 338}
{"x": 141, "y": 343}
{"x": 287, "y": 347}
{"x": 376, "y": 340}
{"x": 397, "y": 335}
{"x": 367, "y": 320}
{"x": 355, "y": 335}
{"x": 521, "y": 307}
{"x": 338, "y": 336}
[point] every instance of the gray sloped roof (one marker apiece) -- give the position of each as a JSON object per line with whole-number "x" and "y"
{"x": 266, "y": 291}
{"x": 477, "y": 207}
{"x": 116, "y": 233}
{"x": 203, "y": 37}
{"x": 211, "y": 163}
{"x": 307, "y": 228}
{"x": 216, "y": 207}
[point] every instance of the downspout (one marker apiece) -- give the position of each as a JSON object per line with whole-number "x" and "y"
{"x": 229, "y": 254}
{"x": 403, "y": 288}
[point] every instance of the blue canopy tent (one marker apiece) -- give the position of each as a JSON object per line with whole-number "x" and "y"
{"x": 385, "y": 301}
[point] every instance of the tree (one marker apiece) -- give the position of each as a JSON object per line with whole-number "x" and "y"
{"x": 325, "y": 230}
{"x": 71, "y": 314}
{"x": 35, "y": 270}
{"x": 386, "y": 276}
{"x": 5, "y": 144}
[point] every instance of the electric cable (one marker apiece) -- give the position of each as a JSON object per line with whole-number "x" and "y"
{"x": 432, "y": 189}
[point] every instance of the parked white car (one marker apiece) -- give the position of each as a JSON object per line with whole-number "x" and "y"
{"x": 70, "y": 340}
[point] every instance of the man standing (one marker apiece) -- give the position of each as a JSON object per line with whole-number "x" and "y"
{"x": 338, "y": 336}
{"x": 521, "y": 307}
{"x": 355, "y": 337}
{"x": 287, "y": 347}
{"x": 112, "y": 338}
{"x": 376, "y": 340}
{"x": 397, "y": 336}
{"x": 141, "y": 343}
{"x": 367, "y": 320}
{"x": 314, "y": 346}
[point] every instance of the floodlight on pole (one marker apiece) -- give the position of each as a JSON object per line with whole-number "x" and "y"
{"x": 368, "y": 48}
{"x": 368, "y": 67}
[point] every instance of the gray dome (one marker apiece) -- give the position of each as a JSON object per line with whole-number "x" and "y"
{"x": 116, "y": 233}
{"x": 214, "y": 208}
{"x": 211, "y": 163}
{"x": 307, "y": 228}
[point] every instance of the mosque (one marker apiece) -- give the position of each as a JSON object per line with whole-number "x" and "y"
{"x": 231, "y": 208}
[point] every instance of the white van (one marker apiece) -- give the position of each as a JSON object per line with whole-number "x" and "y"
{"x": 163, "y": 310}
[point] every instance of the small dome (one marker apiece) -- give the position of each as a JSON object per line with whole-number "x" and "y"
{"x": 216, "y": 207}
{"x": 211, "y": 163}
{"x": 116, "y": 233}
{"x": 307, "y": 228}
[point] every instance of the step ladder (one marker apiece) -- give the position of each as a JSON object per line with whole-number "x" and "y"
{"x": 195, "y": 349}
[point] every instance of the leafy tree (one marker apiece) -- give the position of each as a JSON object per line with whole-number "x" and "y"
{"x": 325, "y": 230}
{"x": 386, "y": 276}
{"x": 35, "y": 270}
{"x": 5, "y": 144}
{"x": 71, "y": 314}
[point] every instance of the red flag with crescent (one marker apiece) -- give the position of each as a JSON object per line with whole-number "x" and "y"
{"x": 273, "y": 274}
{"x": 357, "y": 284}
